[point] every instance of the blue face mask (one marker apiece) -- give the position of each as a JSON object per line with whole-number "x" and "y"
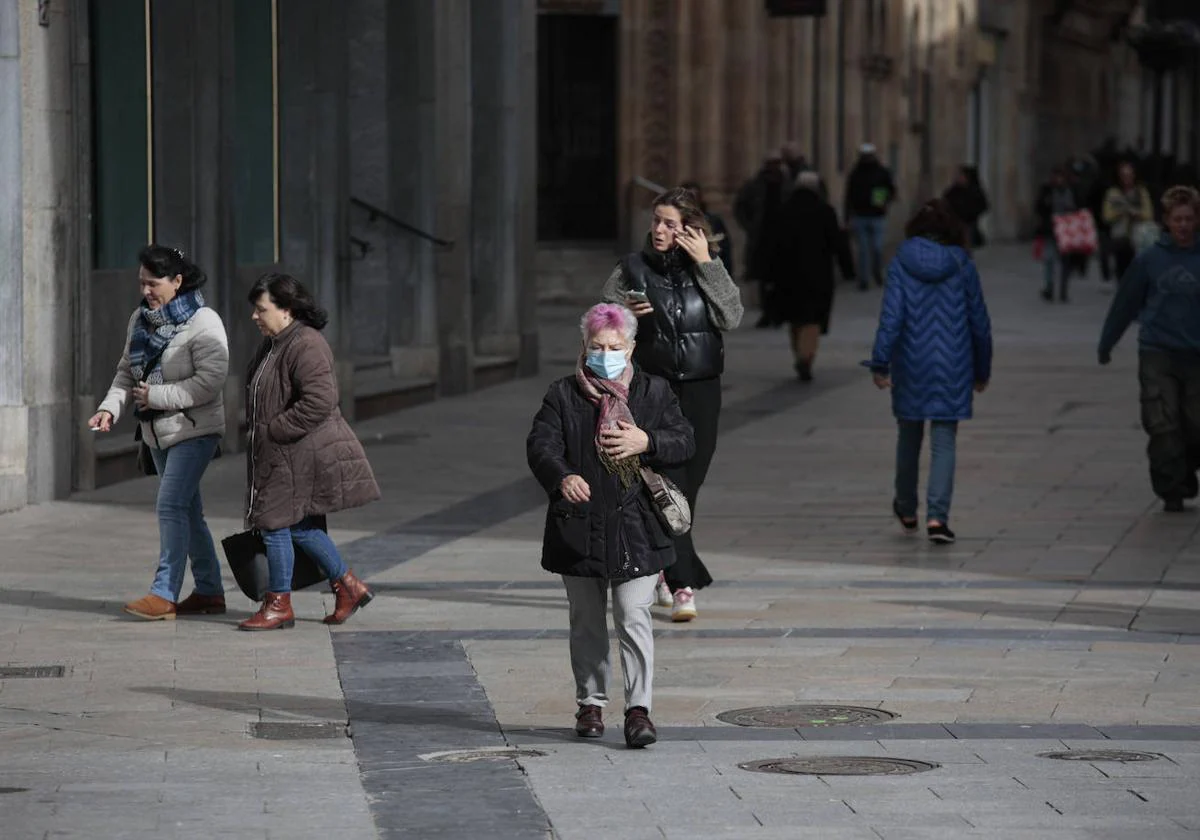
{"x": 607, "y": 364}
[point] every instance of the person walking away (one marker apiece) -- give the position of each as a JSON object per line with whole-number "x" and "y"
{"x": 1055, "y": 198}
{"x": 754, "y": 208}
{"x": 969, "y": 202}
{"x": 684, "y": 300}
{"x": 1161, "y": 290}
{"x": 588, "y": 442}
{"x": 719, "y": 228}
{"x": 933, "y": 349}
{"x": 1126, "y": 206}
{"x": 1097, "y": 192}
{"x": 869, "y": 193}
{"x": 806, "y": 244}
{"x": 173, "y": 369}
{"x": 303, "y": 460}
{"x": 795, "y": 162}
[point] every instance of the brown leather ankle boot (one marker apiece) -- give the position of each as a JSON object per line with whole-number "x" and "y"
{"x": 351, "y": 594}
{"x": 274, "y": 614}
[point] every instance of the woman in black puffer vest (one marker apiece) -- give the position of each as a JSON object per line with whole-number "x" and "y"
{"x": 684, "y": 300}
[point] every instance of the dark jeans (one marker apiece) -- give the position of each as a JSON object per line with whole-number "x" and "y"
{"x": 700, "y": 402}
{"x": 1171, "y": 417}
{"x": 1123, "y": 254}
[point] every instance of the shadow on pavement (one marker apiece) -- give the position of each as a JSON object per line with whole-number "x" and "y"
{"x": 441, "y": 713}
{"x": 1111, "y": 616}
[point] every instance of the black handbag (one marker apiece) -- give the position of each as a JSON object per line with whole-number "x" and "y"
{"x": 247, "y": 556}
{"x": 145, "y": 460}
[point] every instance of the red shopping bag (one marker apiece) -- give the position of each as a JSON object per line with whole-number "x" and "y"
{"x": 1075, "y": 233}
{"x": 1039, "y": 248}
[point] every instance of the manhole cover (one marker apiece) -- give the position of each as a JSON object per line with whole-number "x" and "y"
{"x": 4, "y": 790}
{"x": 273, "y": 730}
{"x": 30, "y": 671}
{"x": 839, "y": 765}
{"x": 789, "y": 717}
{"x": 1101, "y": 755}
{"x": 484, "y": 754}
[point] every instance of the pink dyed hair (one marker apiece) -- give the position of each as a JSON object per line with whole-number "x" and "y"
{"x": 608, "y": 316}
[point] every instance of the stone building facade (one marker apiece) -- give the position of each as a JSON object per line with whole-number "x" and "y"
{"x": 704, "y": 87}
{"x": 384, "y": 152}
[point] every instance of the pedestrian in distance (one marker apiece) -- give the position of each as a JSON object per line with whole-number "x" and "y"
{"x": 303, "y": 460}
{"x": 870, "y": 191}
{"x": 719, "y": 228}
{"x": 933, "y": 349}
{"x": 684, "y": 300}
{"x": 807, "y": 241}
{"x": 1161, "y": 290}
{"x": 969, "y": 202}
{"x": 591, "y": 437}
{"x": 754, "y": 209}
{"x": 1129, "y": 214}
{"x": 1055, "y": 198}
{"x": 173, "y": 370}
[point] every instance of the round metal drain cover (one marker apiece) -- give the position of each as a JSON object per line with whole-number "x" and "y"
{"x": 1101, "y": 755}
{"x": 790, "y": 717}
{"x": 483, "y": 754}
{"x": 839, "y": 765}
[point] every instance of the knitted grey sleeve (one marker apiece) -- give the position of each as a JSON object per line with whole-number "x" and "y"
{"x": 614, "y": 287}
{"x": 724, "y": 297}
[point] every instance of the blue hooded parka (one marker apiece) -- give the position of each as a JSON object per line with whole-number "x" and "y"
{"x": 935, "y": 337}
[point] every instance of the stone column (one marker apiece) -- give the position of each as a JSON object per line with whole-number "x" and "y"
{"x": 194, "y": 104}
{"x": 526, "y": 209}
{"x": 314, "y": 165}
{"x": 369, "y": 142}
{"x": 411, "y": 74}
{"x": 50, "y": 208}
{"x": 13, "y": 417}
{"x": 85, "y": 400}
{"x": 452, "y": 190}
{"x": 495, "y": 157}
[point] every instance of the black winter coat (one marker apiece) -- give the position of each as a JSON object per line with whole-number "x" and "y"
{"x": 678, "y": 340}
{"x": 616, "y": 534}
{"x": 806, "y": 241}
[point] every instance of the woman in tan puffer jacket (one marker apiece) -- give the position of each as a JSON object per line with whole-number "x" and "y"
{"x": 304, "y": 460}
{"x": 173, "y": 369}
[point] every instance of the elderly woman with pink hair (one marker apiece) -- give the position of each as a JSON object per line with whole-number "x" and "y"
{"x": 593, "y": 433}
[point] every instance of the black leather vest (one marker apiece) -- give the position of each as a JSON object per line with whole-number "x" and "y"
{"x": 677, "y": 341}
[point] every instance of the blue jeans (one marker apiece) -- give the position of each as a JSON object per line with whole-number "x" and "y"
{"x": 868, "y": 235}
{"x": 281, "y": 553}
{"x": 182, "y": 531}
{"x": 941, "y": 468}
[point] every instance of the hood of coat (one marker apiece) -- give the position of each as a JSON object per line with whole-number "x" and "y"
{"x": 1165, "y": 241}
{"x": 929, "y": 261}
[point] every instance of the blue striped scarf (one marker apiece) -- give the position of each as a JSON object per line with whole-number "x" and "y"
{"x": 152, "y": 332}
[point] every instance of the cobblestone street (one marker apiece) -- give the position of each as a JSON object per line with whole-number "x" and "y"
{"x": 1064, "y": 619}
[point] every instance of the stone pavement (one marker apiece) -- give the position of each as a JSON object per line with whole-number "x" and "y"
{"x": 1064, "y": 619}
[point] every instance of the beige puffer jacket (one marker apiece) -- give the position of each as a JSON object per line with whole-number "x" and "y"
{"x": 194, "y": 366}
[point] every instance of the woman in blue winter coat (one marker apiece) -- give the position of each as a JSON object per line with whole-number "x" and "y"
{"x": 933, "y": 349}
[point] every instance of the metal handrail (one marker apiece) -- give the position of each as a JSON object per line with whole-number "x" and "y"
{"x": 646, "y": 183}
{"x": 380, "y": 213}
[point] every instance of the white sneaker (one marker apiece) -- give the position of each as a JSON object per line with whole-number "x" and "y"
{"x": 684, "y": 606}
{"x": 662, "y": 593}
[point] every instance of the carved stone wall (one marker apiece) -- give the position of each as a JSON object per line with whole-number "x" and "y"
{"x": 707, "y": 86}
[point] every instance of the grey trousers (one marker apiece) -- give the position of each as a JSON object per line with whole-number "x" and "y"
{"x": 589, "y": 638}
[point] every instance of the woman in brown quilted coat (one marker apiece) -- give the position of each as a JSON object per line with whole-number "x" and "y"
{"x": 304, "y": 461}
